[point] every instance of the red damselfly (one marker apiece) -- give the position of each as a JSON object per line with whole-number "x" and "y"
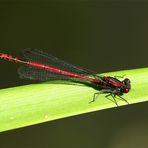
{"x": 39, "y": 65}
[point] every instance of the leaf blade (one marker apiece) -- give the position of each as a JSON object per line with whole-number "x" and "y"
{"x": 36, "y": 103}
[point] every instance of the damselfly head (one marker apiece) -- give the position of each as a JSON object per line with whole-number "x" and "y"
{"x": 126, "y": 86}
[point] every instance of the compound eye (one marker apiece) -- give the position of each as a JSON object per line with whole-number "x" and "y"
{"x": 126, "y": 90}
{"x": 127, "y": 81}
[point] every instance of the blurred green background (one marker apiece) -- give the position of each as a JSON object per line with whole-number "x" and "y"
{"x": 99, "y": 35}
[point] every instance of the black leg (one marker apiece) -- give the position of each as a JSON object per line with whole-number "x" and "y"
{"x": 123, "y": 99}
{"x": 113, "y": 96}
{"x": 94, "y": 97}
{"x": 110, "y": 93}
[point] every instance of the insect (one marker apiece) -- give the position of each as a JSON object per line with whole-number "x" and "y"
{"x": 44, "y": 67}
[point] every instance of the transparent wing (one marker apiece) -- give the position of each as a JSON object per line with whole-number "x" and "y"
{"x": 49, "y": 60}
{"x": 33, "y": 73}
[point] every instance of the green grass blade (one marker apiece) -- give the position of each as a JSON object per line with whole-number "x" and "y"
{"x": 36, "y": 103}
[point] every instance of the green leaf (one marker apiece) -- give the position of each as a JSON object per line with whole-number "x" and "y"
{"x": 31, "y": 104}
